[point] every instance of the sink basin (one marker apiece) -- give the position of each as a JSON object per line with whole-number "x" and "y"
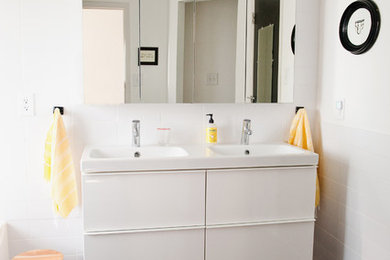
{"x": 111, "y": 159}
{"x": 256, "y": 150}
{"x": 137, "y": 152}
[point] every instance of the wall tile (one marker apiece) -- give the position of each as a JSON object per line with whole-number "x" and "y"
{"x": 228, "y": 120}
{"x": 355, "y": 191}
{"x": 67, "y": 246}
{"x": 186, "y": 122}
{"x": 43, "y": 55}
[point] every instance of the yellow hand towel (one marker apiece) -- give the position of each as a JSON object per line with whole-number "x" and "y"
{"x": 300, "y": 135}
{"x": 59, "y": 168}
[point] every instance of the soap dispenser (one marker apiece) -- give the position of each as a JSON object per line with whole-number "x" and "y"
{"x": 211, "y": 131}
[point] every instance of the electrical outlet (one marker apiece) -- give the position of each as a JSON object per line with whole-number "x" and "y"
{"x": 212, "y": 79}
{"x": 27, "y": 105}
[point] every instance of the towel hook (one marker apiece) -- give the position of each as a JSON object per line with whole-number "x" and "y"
{"x": 60, "y": 108}
{"x": 297, "y": 109}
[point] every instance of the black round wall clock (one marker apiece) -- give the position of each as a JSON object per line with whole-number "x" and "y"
{"x": 293, "y": 40}
{"x": 359, "y": 26}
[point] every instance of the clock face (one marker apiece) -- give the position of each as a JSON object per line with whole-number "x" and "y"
{"x": 359, "y": 26}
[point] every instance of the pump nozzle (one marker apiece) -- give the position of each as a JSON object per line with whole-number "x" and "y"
{"x": 211, "y": 121}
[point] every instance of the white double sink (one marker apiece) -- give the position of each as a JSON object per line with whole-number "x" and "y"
{"x": 126, "y": 158}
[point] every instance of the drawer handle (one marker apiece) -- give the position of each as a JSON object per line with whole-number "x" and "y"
{"x": 133, "y": 231}
{"x": 252, "y": 224}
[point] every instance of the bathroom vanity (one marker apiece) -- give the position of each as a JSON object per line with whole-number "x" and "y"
{"x": 194, "y": 202}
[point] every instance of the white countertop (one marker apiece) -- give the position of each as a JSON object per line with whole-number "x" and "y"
{"x": 199, "y": 157}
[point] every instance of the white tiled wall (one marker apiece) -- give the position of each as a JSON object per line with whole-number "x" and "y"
{"x": 26, "y": 196}
{"x": 3, "y": 241}
{"x": 40, "y": 53}
{"x": 354, "y": 219}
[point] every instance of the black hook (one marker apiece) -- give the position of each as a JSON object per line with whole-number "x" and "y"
{"x": 297, "y": 109}
{"x": 60, "y": 108}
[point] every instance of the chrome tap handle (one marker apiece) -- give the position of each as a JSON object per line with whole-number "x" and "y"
{"x": 136, "y": 133}
{"x": 246, "y": 131}
{"x": 247, "y": 125}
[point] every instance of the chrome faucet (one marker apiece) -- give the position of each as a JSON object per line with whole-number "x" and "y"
{"x": 136, "y": 133}
{"x": 246, "y": 131}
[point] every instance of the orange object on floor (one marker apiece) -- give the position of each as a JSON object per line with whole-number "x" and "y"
{"x": 40, "y": 255}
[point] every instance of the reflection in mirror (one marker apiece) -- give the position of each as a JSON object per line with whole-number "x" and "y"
{"x": 197, "y": 51}
{"x": 110, "y": 50}
{"x": 109, "y": 85}
{"x": 215, "y": 51}
{"x": 169, "y": 26}
{"x": 154, "y": 33}
{"x": 269, "y": 51}
{"x": 184, "y": 70}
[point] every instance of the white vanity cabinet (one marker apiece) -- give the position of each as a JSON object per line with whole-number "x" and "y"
{"x": 268, "y": 241}
{"x": 143, "y": 200}
{"x": 258, "y": 195}
{"x": 260, "y": 213}
{"x": 200, "y": 208}
{"x": 185, "y": 244}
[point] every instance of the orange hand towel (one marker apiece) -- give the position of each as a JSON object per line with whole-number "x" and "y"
{"x": 59, "y": 168}
{"x": 300, "y": 135}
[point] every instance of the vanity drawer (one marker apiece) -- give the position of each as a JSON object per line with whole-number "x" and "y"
{"x": 161, "y": 245}
{"x": 125, "y": 201}
{"x": 292, "y": 241}
{"x": 258, "y": 195}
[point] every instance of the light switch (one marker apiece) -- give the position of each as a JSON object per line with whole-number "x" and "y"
{"x": 339, "y": 109}
{"x": 339, "y": 105}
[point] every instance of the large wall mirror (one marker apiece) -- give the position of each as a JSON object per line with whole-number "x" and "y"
{"x": 188, "y": 51}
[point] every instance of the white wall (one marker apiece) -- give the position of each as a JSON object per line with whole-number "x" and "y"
{"x": 215, "y": 50}
{"x": 189, "y": 54}
{"x": 3, "y": 241}
{"x": 40, "y": 52}
{"x": 131, "y": 34}
{"x": 286, "y": 56}
{"x": 103, "y": 56}
{"x": 154, "y": 33}
{"x": 175, "y": 62}
{"x": 354, "y": 220}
